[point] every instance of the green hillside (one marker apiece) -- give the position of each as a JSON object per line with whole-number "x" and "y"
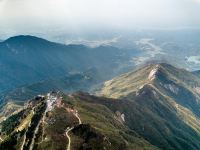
{"x": 100, "y": 127}
{"x": 155, "y": 107}
{"x": 164, "y": 104}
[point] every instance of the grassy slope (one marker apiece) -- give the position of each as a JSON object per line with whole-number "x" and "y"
{"x": 153, "y": 113}
{"x": 102, "y": 119}
{"x": 154, "y": 120}
{"x": 125, "y": 84}
{"x": 9, "y": 109}
{"x": 100, "y": 128}
{"x": 167, "y": 106}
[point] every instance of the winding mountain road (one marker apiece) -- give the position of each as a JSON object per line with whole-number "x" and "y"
{"x": 76, "y": 115}
{"x": 69, "y": 129}
{"x": 69, "y": 139}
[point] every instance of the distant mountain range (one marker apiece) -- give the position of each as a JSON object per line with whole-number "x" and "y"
{"x": 28, "y": 59}
{"x": 154, "y": 107}
{"x": 83, "y": 81}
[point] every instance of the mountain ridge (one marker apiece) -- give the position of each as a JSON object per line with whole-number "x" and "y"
{"x": 160, "y": 90}
{"x": 49, "y": 118}
{"x": 155, "y": 107}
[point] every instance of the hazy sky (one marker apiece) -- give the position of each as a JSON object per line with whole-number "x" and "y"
{"x": 77, "y": 15}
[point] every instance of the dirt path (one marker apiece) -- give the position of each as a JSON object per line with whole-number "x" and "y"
{"x": 69, "y": 129}
{"x": 24, "y": 139}
{"x": 34, "y": 136}
{"x": 69, "y": 139}
{"x": 79, "y": 119}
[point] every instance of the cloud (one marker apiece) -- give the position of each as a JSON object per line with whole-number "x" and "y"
{"x": 75, "y": 15}
{"x": 151, "y": 49}
{"x": 94, "y": 43}
{"x": 194, "y": 60}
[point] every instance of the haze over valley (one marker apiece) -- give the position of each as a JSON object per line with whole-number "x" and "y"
{"x": 99, "y": 75}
